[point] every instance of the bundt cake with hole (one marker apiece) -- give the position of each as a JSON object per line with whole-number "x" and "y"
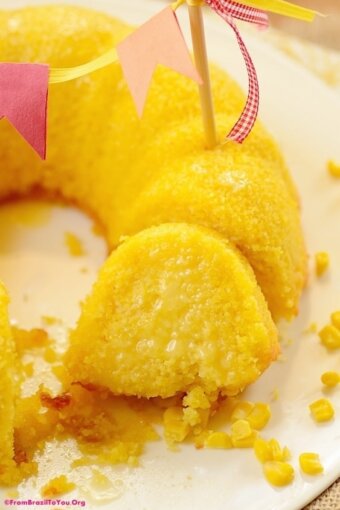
{"x": 210, "y": 247}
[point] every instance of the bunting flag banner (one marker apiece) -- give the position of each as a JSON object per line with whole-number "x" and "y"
{"x": 23, "y": 101}
{"x": 24, "y": 86}
{"x": 158, "y": 41}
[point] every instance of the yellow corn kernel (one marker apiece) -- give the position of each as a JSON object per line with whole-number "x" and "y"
{"x": 262, "y": 450}
{"x": 218, "y": 440}
{"x": 321, "y": 262}
{"x": 241, "y": 411}
{"x": 286, "y": 455}
{"x": 175, "y": 428}
{"x": 330, "y": 379}
{"x": 278, "y": 453}
{"x": 330, "y": 337}
{"x": 310, "y": 463}
{"x": 270, "y": 450}
{"x": 333, "y": 169}
{"x": 322, "y": 410}
{"x": 335, "y": 318}
{"x": 242, "y": 435}
{"x": 278, "y": 473}
{"x": 259, "y": 416}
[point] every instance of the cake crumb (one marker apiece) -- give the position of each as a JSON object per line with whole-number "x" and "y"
{"x": 275, "y": 395}
{"x": 312, "y": 328}
{"x": 74, "y": 245}
{"x": 321, "y": 262}
{"x": 49, "y": 320}
{"x": 57, "y": 486}
{"x": 29, "y": 339}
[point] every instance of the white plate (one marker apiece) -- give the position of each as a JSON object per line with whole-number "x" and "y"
{"x": 304, "y": 116}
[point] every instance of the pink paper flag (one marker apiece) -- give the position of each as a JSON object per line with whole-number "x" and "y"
{"x": 23, "y": 101}
{"x": 158, "y": 41}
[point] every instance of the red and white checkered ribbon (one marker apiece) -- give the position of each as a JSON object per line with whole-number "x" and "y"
{"x": 229, "y": 10}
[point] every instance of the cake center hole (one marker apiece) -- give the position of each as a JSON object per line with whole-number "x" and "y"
{"x": 49, "y": 258}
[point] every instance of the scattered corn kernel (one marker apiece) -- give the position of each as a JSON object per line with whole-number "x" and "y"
{"x": 262, "y": 450}
{"x": 321, "y": 262}
{"x": 259, "y": 416}
{"x": 278, "y": 473}
{"x": 310, "y": 463}
{"x": 241, "y": 411}
{"x": 278, "y": 453}
{"x": 74, "y": 245}
{"x": 333, "y": 169}
{"x": 218, "y": 440}
{"x": 330, "y": 379}
{"x": 330, "y": 337}
{"x": 175, "y": 428}
{"x": 322, "y": 410}
{"x": 335, "y": 318}
{"x": 270, "y": 450}
{"x": 241, "y": 429}
{"x": 242, "y": 435}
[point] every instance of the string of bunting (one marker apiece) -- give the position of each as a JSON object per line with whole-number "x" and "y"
{"x": 24, "y": 86}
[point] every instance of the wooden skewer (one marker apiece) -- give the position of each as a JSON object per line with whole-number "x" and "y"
{"x": 201, "y": 61}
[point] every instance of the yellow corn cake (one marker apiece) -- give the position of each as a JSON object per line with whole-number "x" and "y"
{"x": 162, "y": 319}
{"x": 133, "y": 174}
{"x": 207, "y": 244}
{"x": 7, "y": 385}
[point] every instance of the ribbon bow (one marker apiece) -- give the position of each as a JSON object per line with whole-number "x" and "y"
{"x": 247, "y": 11}
{"x": 229, "y": 10}
{"x": 251, "y": 11}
